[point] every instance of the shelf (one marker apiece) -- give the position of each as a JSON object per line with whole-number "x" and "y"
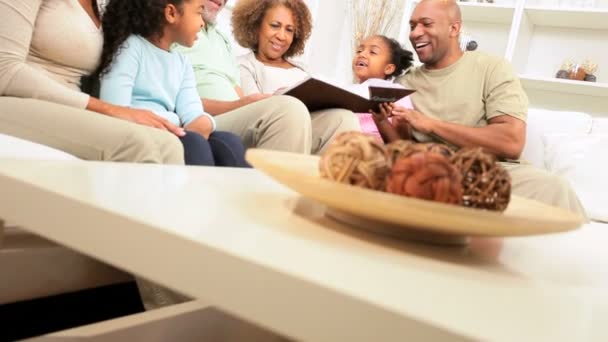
{"x": 485, "y": 13}
{"x": 564, "y": 86}
{"x": 580, "y": 18}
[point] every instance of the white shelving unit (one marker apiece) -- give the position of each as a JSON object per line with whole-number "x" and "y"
{"x": 537, "y": 36}
{"x": 577, "y": 18}
{"x": 545, "y": 38}
{"x": 565, "y": 86}
{"x": 487, "y": 13}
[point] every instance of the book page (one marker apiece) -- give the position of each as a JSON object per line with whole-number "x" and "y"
{"x": 380, "y": 83}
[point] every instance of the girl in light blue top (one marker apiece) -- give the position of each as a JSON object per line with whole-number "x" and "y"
{"x": 139, "y": 70}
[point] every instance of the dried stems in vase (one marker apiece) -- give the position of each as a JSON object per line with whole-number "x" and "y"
{"x": 374, "y": 17}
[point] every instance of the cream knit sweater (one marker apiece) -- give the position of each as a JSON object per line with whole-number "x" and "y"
{"x": 46, "y": 46}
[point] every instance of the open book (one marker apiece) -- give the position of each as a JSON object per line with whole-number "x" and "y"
{"x": 317, "y": 94}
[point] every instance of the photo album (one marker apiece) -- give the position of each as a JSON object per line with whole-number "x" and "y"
{"x": 319, "y": 94}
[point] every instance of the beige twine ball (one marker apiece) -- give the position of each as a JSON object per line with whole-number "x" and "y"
{"x": 357, "y": 159}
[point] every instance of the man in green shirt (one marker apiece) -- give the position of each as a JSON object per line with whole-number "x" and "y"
{"x": 472, "y": 99}
{"x": 262, "y": 120}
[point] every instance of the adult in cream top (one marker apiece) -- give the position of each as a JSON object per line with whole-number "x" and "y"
{"x": 46, "y": 46}
{"x": 259, "y": 78}
{"x": 275, "y": 32}
{"x": 53, "y": 44}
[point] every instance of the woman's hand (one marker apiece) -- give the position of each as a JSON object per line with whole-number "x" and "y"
{"x": 139, "y": 116}
{"x": 148, "y": 118}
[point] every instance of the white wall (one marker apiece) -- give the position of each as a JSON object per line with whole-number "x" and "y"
{"x": 330, "y": 44}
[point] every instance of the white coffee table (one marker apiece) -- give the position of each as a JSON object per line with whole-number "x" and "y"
{"x": 253, "y": 248}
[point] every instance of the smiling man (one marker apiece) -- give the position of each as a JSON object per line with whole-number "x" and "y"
{"x": 472, "y": 99}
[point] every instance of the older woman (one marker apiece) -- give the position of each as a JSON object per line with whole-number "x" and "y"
{"x": 275, "y": 31}
{"x": 40, "y": 97}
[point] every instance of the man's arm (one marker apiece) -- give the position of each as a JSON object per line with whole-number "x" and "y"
{"x": 215, "y": 107}
{"x": 504, "y": 135}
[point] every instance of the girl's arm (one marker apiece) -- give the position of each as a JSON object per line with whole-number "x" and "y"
{"x": 17, "y": 78}
{"x": 388, "y": 131}
{"x": 189, "y": 107}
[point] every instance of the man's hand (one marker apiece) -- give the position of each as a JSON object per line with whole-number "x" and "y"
{"x": 215, "y": 107}
{"x": 202, "y": 125}
{"x": 254, "y": 98}
{"x": 139, "y": 116}
{"x": 417, "y": 120}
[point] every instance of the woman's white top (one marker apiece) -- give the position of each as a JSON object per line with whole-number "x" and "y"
{"x": 258, "y": 78}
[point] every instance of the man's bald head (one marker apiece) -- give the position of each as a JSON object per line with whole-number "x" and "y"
{"x": 448, "y": 7}
{"x": 435, "y": 29}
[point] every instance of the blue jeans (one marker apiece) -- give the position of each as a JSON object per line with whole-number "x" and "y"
{"x": 221, "y": 149}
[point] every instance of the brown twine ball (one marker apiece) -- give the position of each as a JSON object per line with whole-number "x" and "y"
{"x": 426, "y": 175}
{"x": 486, "y": 184}
{"x": 357, "y": 159}
{"x": 405, "y": 148}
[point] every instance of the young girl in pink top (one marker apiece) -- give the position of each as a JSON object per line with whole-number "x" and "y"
{"x": 383, "y": 58}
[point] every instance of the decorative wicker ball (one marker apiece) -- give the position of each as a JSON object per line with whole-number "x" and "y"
{"x": 590, "y": 78}
{"x": 405, "y": 148}
{"x": 426, "y": 175}
{"x": 357, "y": 159}
{"x": 577, "y": 74}
{"x": 486, "y": 184}
{"x": 399, "y": 148}
{"x": 563, "y": 74}
{"x": 442, "y": 149}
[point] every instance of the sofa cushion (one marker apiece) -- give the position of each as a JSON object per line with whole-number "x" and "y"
{"x": 15, "y": 148}
{"x": 580, "y": 159}
{"x": 543, "y": 121}
{"x": 600, "y": 126}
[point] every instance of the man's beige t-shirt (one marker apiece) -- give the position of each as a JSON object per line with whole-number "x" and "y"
{"x": 471, "y": 91}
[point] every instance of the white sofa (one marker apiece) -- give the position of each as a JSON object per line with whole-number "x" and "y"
{"x": 566, "y": 143}
{"x": 572, "y": 145}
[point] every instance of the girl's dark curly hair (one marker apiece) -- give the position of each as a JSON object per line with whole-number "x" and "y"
{"x": 402, "y": 58}
{"x": 247, "y": 17}
{"x": 122, "y": 18}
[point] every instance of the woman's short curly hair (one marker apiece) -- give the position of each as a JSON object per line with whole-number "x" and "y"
{"x": 247, "y": 17}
